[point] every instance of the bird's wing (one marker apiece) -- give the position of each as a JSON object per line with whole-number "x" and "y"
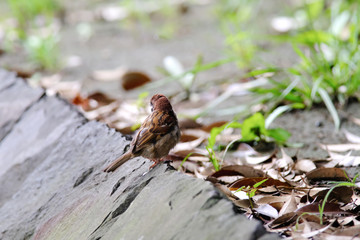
{"x": 155, "y": 125}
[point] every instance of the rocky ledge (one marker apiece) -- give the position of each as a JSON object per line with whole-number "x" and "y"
{"x": 53, "y": 187}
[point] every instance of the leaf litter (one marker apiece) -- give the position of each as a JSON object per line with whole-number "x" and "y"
{"x": 296, "y": 198}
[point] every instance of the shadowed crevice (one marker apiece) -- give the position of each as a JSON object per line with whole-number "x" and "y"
{"x": 83, "y": 177}
{"x": 212, "y": 201}
{"x": 129, "y": 199}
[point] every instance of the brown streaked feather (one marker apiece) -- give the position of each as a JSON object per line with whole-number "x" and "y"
{"x": 118, "y": 162}
{"x": 151, "y": 131}
{"x": 158, "y": 134}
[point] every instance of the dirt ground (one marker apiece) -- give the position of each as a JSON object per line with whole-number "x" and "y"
{"x": 138, "y": 47}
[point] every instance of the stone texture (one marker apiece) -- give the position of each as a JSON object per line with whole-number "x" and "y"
{"x": 7, "y": 79}
{"x": 53, "y": 187}
{"x": 15, "y": 97}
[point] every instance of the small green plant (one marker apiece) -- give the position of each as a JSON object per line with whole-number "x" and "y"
{"x": 44, "y": 51}
{"x": 212, "y": 140}
{"x": 184, "y": 160}
{"x": 25, "y": 11}
{"x": 251, "y": 191}
{"x": 328, "y": 49}
{"x": 252, "y": 129}
{"x": 234, "y": 19}
{"x": 338, "y": 184}
{"x": 35, "y": 30}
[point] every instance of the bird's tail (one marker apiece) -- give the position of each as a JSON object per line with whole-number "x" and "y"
{"x": 118, "y": 162}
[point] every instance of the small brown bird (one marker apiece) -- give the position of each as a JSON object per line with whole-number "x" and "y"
{"x": 158, "y": 134}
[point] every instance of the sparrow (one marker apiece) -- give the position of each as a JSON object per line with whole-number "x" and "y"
{"x": 158, "y": 134}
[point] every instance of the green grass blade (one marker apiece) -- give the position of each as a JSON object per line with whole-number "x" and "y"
{"x": 277, "y": 112}
{"x": 330, "y": 106}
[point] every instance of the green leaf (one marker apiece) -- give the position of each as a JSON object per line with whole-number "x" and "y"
{"x": 314, "y": 8}
{"x": 279, "y": 135}
{"x": 298, "y": 105}
{"x": 253, "y": 127}
{"x": 330, "y": 106}
{"x": 184, "y": 160}
{"x": 256, "y": 185}
{"x": 312, "y": 37}
{"x": 277, "y": 112}
{"x": 261, "y": 71}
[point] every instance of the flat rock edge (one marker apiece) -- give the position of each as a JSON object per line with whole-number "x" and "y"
{"x": 67, "y": 179}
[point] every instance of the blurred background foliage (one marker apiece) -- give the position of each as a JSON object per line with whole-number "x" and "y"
{"x": 324, "y": 36}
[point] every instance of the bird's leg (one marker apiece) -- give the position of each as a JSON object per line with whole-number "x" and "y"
{"x": 156, "y": 162}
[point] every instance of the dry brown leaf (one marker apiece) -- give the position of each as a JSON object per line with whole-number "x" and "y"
{"x": 329, "y": 209}
{"x": 267, "y": 210}
{"x": 286, "y": 220}
{"x": 355, "y": 120}
{"x": 109, "y": 75}
{"x": 188, "y": 123}
{"x": 272, "y": 199}
{"x": 305, "y": 165}
{"x": 315, "y": 232}
{"x": 93, "y": 101}
{"x": 187, "y": 138}
{"x": 234, "y": 170}
{"x": 131, "y": 80}
{"x": 343, "y": 160}
{"x": 243, "y": 203}
{"x": 285, "y": 162}
{"x": 258, "y": 159}
{"x": 350, "y": 232}
{"x": 207, "y": 128}
{"x": 321, "y": 174}
{"x": 289, "y": 206}
{"x": 21, "y": 73}
{"x": 341, "y": 147}
{"x": 351, "y": 137}
{"x": 253, "y": 180}
{"x": 185, "y": 146}
{"x": 340, "y": 194}
{"x": 269, "y": 189}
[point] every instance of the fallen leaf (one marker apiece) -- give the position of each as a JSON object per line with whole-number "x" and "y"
{"x": 187, "y": 138}
{"x": 321, "y": 174}
{"x": 289, "y": 206}
{"x": 208, "y": 128}
{"x": 340, "y": 194}
{"x": 253, "y": 180}
{"x": 351, "y": 137}
{"x": 267, "y": 210}
{"x": 182, "y": 146}
{"x": 355, "y": 120}
{"x": 329, "y": 209}
{"x": 341, "y": 147}
{"x": 22, "y": 73}
{"x": 131, "y": 80}
{"x": 272, "y": 199}
{"x": 304, "y": 165}
{"x": 258, "y": 159}
{"x": 316, "y": 232}
{"x": 109, "y": 75}
{"x": 188, "y": 123}
{"x": 285, "y": 162}
{"x": 285, "y": 220}
{"x": 234, "y": 170}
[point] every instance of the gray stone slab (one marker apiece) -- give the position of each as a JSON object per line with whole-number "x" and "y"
{"x": 31, "y": 140}
{"x": 51, "y": 176}
{"x": 15, "y": 98}
{"x": 6, "y": 79}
